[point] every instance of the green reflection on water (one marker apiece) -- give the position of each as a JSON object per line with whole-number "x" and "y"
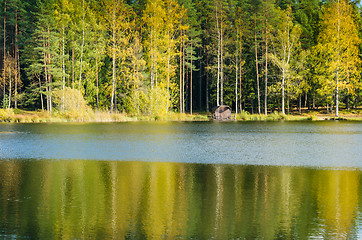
{"x": 157, "y": 200}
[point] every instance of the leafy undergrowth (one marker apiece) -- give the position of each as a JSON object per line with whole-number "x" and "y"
{"x": 22, "y": 116}
{"x": 312, "y": 116}
{"x": 245, "y": 116}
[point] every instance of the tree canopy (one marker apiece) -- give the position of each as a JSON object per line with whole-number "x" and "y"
{"x": 155, "y": 57}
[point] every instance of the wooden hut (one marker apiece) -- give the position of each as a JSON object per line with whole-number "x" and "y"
{"x": 222, "y": 112}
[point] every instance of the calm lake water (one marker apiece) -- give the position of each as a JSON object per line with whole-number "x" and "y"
{"x": 207, "y": 180}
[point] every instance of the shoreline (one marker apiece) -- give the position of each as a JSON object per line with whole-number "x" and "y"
{"x": 23, "y": 116}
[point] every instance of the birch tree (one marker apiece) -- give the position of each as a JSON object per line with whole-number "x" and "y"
{"x": 338, "y": 48}
{"x": 286, "y": 43}
{"x": 162, "y": 19}
{"x": 4, "y": 55}
{"x": 268, "y": 6}
{"x": 118, "y": 19}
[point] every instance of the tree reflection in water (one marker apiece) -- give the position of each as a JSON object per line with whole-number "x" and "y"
{"x": 153, "y": 200}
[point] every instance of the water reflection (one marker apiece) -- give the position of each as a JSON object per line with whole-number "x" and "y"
{"x": 110, "y": 199}
{"x": 338, "y": 199}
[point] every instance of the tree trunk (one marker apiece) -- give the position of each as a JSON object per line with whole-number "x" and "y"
{"x": 4, "y": 49}
{"x": 180, "y": 78}
{"x": 266, "y": 68}
{"x": 257, "y": 66}
{"x": 17, "y": 62}
{"x": 327, "y": 108}
{"x": 240, "y": 107}
{"x": 218, "y": 60}
{"x": 81, "y": 50}
{"x": 337, "y": 74}
{"x": 236, "y": 82}
{"x": 168, "y": 72}
{"x": 113, "y": 54}
{"x": 10, "y": 66}
{"x": 207, "y": 84}
{"x": 240, "y": 76}
{"x": 300, "y": 104}
{"x": 73, "y": 72}
{"x": 47, "y": 61}
{"x": 183, "y": 76}
{"x": 46, "y": 74}
{"x": 200, "y": 82}
{"x": 283, "y": 93}
{"x": 97, "y": 82}
{"x": 115, "y": 98}
{"x": 50, "y": 80}
{"x": 337, "y": 98}
{"x": 222, "y": 64}
{"x": 186, "y": 87}
{"x": 63, "y": 68}
{"x": 41, "y": 95}
{"x": 191, "y": 80}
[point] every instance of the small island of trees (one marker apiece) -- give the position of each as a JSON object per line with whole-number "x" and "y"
{"x": 152, "y": 58}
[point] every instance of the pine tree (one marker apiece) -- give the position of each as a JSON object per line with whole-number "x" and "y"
{"x": 192, "y": 43}
{"x": 46, "y": 41}
{"x": 62, "y": 19}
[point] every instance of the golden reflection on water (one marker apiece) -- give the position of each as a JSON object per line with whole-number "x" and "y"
{"x": 158, "y": 200}
{"x": 338, "y": 200}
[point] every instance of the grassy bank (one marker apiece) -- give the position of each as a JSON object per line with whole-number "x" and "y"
{"x": 355, "y": 115}
{"x": 22, "y": 116}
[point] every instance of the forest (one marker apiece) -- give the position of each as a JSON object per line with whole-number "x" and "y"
{"x": 153, "y": 57}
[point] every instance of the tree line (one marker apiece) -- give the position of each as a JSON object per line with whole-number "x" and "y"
{"x": 155, "y": 57}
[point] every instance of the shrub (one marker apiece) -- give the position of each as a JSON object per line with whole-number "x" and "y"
{"x": 6, "y": 115}
{"x": 71, "y": 103}
{"x": 244, "y": 115}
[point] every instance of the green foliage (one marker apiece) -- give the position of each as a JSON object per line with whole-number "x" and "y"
{"x": 338, "y": 53}
{"x": 71, "y": 102}
{"x": 152, "y": 58}
{"x": 158, "y": 102}
{"x": 137, "y": 103}
{"x": 6, "y": 115}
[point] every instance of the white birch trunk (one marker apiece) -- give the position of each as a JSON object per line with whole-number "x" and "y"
{"x": 82, "y": 48}
{"x": 218, "y": 60}
{"x": 113, "y": 54}
{"x": 257, "y": 66}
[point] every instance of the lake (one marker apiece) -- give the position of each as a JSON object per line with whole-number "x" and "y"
{"x": 181, "y": 180}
